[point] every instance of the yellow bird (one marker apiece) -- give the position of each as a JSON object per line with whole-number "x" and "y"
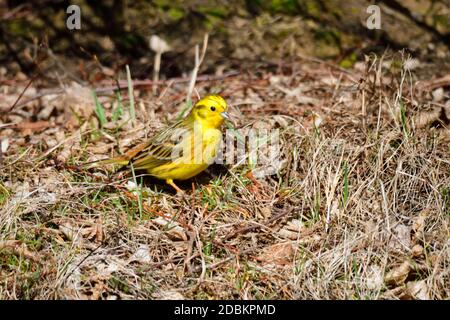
{"x": 184, "y": 149}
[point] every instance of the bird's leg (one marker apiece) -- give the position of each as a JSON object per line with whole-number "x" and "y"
{"x": 170, "y": 181}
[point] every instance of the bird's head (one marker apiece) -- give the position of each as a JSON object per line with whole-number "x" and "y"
{"x": 210, "y": 111}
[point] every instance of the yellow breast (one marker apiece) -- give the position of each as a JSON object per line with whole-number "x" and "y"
{"x": 198, "y": 153}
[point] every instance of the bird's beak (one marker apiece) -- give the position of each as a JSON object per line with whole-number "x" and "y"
{"x": 225, "y": 115}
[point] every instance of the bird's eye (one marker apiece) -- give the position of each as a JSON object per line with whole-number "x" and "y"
{"x": 213, "y": 108}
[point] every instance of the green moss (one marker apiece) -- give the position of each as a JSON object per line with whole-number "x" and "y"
{"x": 217, "y": 11}
{"x": 176, "y": 14}
{"x": 441, "y": 20}
{"x": 349, "y": 60}
{"x": 312, "y": 7}
{"x": 327, "y": 43}
{"x": 19, "y": 28}
{"x": 32, "y": 241}
{"x": 284, "y": 6}
{"x": 118, "y": 284}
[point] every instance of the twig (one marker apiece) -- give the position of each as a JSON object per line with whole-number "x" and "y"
{"x": 23, "y": 91}
{"x": 189, "y": 256}
{"x": 255, "y": 227}
{"x": 149, "y": 83}
{"x": 136, "y": 83}
{"x": 198, "y": 62}
{"x": 161, "y": 263}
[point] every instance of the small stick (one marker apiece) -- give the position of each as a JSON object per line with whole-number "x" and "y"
{"x": 198, "y": 62}
{"x": 23, "y": 91}
{"x": 255, "y": 227}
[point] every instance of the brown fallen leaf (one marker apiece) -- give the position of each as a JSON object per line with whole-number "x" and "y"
{"x": 398, "y": 275}
{"x": 437, "y": 114}
{"x": 71, "y": 144}
{"x": 172, "y": 228}
{"x": 426, "y": 118}
{"x": 402, "y": 237}
{"x": 394, "y": 293}
{"x": 417, "y": 250}
{"x": 292, "y": 229}
{"x": 97, "y": 291}
{"x": 418, "y": 225}
{"x": 93, "y": 232}
{"x": 68, "y": 230}
{"x": 279, "y": 254}
{"x": 169, "y": 295}
{"x": 31, "y": 127}
{"x": 418, "y": 290}
{"x": 101, "y": 148}
{"x": 266, "y": 212}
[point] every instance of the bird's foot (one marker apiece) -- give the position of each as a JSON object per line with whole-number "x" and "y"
{"x": 179, "y": 191}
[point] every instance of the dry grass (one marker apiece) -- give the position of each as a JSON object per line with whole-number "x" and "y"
{"x": 359, "y": 209}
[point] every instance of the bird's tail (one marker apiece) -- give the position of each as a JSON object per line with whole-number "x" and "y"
{"x": 120, "y": 160}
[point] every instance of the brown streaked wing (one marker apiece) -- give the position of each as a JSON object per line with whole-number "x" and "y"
{"x": 160, "y": 148}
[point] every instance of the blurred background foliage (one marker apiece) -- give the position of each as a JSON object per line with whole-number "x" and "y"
{"x": 243, "y": 34}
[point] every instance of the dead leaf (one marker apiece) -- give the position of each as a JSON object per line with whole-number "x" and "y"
{"x": 280, "y": 254}
{"x": 398, "y": 275}
{"x": 418, "y": 290}
{"x": 171, "y": 228}
{"x": 432, "y": 115}
{"x": 288, "y": 234}
{"x": 374, "y": 279}
{"x": 401, "y": 238}
{"x": 425, "y": 118}
{"x": 69, "y": 231}
{"x": 4, "y": 145}
{"x": 418, "y": 225}
{"x": 170, "y": 295}
{"x": 417, "y": 250}
{"x": 438, "y": 94}
{"x": 32, "y": 127}
{"x": 95, "y": 231}
{"x": 142, "y": 254}
{"x": 266, "y": 212}
{"x": 292, "y": 229}
{"x": 396, "y": 292}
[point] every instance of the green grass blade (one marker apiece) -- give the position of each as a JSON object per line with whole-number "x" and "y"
{"x": 118, "y": 112}
{"x": 186, "y": 108}
{"x": 139, "y": 191}
{"x": 346, "y": 192}
{"x": 99, "y": 110}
